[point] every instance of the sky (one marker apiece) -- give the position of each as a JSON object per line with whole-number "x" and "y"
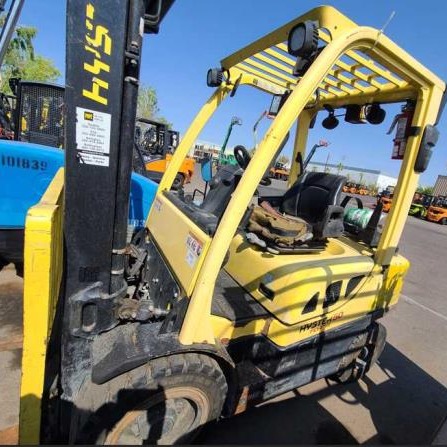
{"x": 197, "y": 34}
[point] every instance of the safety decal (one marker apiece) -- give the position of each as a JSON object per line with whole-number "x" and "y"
{"x": 157, "y": 204}
{"x": 93, "y": 136}
{"x": 193, "y": 249}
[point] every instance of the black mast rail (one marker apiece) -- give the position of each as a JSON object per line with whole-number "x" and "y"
{"x": 104, "y": 47}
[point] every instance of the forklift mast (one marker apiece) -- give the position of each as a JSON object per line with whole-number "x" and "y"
{"x": 104, "y": 47}
{"x": 9, "y": 25}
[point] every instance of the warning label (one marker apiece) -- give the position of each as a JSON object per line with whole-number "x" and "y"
{"x": 93, "y": 136}
{"x": 193, "y": 249}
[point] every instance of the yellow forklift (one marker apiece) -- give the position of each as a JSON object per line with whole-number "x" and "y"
{"x": 226, "y": 303}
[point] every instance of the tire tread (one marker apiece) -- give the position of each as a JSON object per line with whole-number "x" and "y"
{"x": 159, "y": 372}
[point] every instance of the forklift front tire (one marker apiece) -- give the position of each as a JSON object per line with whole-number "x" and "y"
{"x": 443, "y": 221}
{"x": 166, "y": 401}
{"x": 3, "y": 263}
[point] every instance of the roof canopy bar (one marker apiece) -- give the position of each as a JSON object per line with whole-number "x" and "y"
{"x": 353, "y": 82}
{"x": 362, "y": 74}
{"x": 277, "y": 72}
{"x": 363, "y": 61}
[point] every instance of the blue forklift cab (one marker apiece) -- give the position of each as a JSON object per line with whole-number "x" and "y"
{"x": 26, "y": 170}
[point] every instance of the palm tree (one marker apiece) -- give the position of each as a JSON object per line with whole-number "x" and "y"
{"x": 20, "y": 51}
{"x": 20, "y": 61}
{"x": 22, "y": 42}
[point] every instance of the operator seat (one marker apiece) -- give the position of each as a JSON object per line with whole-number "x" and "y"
{"x": 208, "y": 214}
{"x": 315, "y": 197}
{"x": 222, "y": 186}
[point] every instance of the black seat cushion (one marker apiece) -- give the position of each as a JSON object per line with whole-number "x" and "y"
{"x": 311, "y": 194}
{"x": 222, "y": 186}
{"x": 315, "y": 197}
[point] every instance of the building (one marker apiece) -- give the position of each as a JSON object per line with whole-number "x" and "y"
{"x": 202, "y": 148}
{"x": 367, "y": 177}
{"x": 440, "y": 188}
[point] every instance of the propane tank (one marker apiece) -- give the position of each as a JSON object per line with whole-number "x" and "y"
{"x": 359, "y": 217}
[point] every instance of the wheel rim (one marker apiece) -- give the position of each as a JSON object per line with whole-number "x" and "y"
{"x": 164, "y": 419}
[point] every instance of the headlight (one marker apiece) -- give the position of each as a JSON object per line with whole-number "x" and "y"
{"x": 214, "y": 77}
{"x": 303, "y": 39}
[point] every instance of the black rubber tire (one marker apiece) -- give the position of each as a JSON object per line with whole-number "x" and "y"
{"x": 3, "y": 263}
{"x": 443, "y": 221}
{"x": 374, "y": 342}
{"x": 178, "y": 181}
{"x": 18, "y": 265}
{"x": 19, "y": 268}
{"x": 102, "y": 410}
{"x": 346, "y": 367}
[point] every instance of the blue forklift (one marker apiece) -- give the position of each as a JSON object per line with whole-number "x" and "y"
{"x": 31, "y": 152}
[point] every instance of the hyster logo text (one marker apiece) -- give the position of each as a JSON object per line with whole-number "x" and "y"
{"x": 316, "y": 326}
{"x": 98, "y": 44}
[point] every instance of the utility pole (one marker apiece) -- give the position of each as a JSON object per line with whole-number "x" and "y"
{"x": 327, "y": 161}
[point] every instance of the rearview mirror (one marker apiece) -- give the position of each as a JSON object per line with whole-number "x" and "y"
{"x": 428, "y": 142}
{"x": 277, "y": 103}
{"x": 274, "y": 106}
{"x": 236, "y": 86}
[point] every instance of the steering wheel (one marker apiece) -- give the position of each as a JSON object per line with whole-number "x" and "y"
{"x": 265, "y": 181}
{"x": 242, "y": 156}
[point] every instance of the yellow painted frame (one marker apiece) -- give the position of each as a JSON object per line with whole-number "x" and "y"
{"x": 404, "y": 78}
{"x": 43, "y": 272}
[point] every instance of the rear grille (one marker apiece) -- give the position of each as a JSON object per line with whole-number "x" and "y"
{"x": 40, "y": 115}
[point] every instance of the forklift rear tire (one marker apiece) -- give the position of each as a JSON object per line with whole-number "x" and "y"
{"x": 363, "y": 352}
{"x": 178, "y": 181}
{"x": 443, "y": 221}
{"x": 166, "y": 401}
